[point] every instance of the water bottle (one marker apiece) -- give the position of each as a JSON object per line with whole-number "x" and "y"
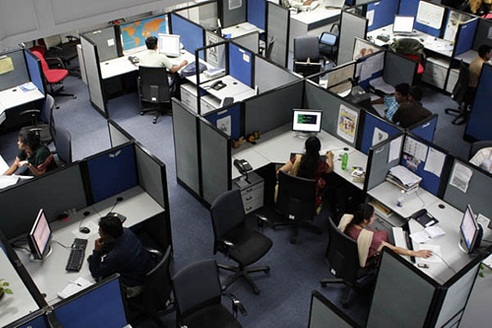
{"x": 399, "y": 203}
{"x": 344, "y": 161}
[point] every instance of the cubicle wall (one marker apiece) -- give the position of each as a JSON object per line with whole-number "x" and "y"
{"x": 192, "y": 34}
{"x": 35, "y": 71}
{"x": 324, "y": 313}
{"x": 399, "y": 69}
{"x": 425, "y": 129}
{"x": 117, "y": 135}
{"x": 269, "y": 76}
{"x": 381, "y": 13}
{"x": 240, "y": 64}
{"x": 351, "y": 26}
{"x": 278, "y": 19}
{"x": 202, "y": 13}
{"x": 478, "y": 125}
{"x": 18, "y": 74}
{"x": 375, "y": 129}
{"x": 482, "y": 33}
{"x": 93, "y": 75}
{"x": 232, "y": 12}
{"x": 107, "y": 42}
{"x": 464, "y": 36}
{"x": 228, "y": 120}
{"x": 468, "y": 184}
{"x": 429, "y": 17}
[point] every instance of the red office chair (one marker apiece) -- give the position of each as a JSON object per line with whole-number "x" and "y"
{"x": 53, "y": 75}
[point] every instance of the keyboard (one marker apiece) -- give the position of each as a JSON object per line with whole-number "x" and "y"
{"x": 401, "y": 239}
{"x": 77, "y": 254}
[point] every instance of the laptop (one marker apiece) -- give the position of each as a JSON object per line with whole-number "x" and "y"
{"x": 403, "y": 25}
{"x": 334, "y": 3}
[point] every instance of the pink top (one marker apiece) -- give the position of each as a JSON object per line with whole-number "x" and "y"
{"x": 377, "y": 239}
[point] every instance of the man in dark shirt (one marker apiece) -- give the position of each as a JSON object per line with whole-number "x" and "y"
{"x": 412, "y": 111}
{"x": 118, "y": 250}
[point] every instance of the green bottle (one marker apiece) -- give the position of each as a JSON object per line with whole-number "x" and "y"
{"x": 344, "y": 161}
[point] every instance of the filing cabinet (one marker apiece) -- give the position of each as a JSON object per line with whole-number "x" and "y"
{"x": 452, "y": 79}
{"x": 189, "y": 95}
{"x": 252, "y": 192}
{"x": 436, "y": 70}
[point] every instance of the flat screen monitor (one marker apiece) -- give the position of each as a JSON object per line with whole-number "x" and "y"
{"x": 169, "y": 44}
{"x": 100, "y": 305}
{"x": 469, "y": 231}
{"x": 339, "y": 80}
{"x": 306, "y": 120}
{"x": 40, "y": 237}
{"x": 403, "y": 24}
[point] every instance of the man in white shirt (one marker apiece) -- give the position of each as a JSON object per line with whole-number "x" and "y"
{"x": 483, "y": 159}
{"x": 151, "y": 57}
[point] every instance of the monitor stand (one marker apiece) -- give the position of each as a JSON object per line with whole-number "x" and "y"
{"x": 305, "y": 135}
{"x": 33, "y": 259}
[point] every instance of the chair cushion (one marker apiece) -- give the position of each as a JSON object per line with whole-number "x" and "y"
{"x": 55, "y": 75}
{"x": 213, "y": 316}
{"x": 250, "y": 245}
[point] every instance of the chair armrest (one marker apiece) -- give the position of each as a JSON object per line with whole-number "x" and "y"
{"x": 52, "y": 61}
{"x": 30, "y": 112}
{"x": 260, "y": 219}
{"x": 72, "y": 38}
{"x": 237, "y": 305}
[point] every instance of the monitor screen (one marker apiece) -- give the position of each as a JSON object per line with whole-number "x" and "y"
{"x": 40, "y": 236}
{"x": 339, "y": 80}
{"x": 100, "y": 305}
{"x": 169, "y": 44}
{"x": 403, "y": 24}
{"x": 469, "y": 230}
{"x": 306, "y": 120}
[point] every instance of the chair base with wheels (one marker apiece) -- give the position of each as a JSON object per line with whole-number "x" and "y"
{"x": 345, "y": 300}
{"x": 242, "y": 272}
{"x": 153, "y": 91}
{"x": 297, "y": 226}
{"x": 157, "y": 111}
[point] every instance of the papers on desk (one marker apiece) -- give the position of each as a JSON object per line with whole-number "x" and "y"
{"x": 29, "y": 86}
{"x": 8, "y": 180}
{"x": 379, "y": 84}
{"x": 488, "y": 262}
{"x": 403, "y": 178}
{"x": 427, "y": 234}
{"x": 74, "y": 287}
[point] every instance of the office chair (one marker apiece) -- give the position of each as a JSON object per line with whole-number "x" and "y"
{"x": 198, "y": 298}
{"x": 296, "y": 203}
{"x": 54, "y": 76}
{"x": 463, "y": 95}
{"x": 44, "y": 128}
{"x": 477, "y": 145}
{"x": 234, "y": 239}
{"x": 153, "y": 90}
{"x": 412, "y": 49}
{"x": 63, "y": 145}
{"x": 328, "y": 43}
{"x": 267, "y": 49}
{"x": 343, "y": 256}
{"x": 306, "y": 51}
{"x": 67, "y": 52}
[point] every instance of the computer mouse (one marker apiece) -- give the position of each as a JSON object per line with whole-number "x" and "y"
{"x": 421, "y": 39}
{"x": 84, "y": 230}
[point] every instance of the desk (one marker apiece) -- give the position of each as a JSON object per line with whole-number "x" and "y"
{"x": 21, "y": 303}
{"x": 234, "y": 88}
{"x": 241, "y": 29}
{"x": 13, "y": 97}
{"x": 50, "y": 275}
{"x": 276, "y": 146}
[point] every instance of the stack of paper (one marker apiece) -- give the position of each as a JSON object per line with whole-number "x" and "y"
{"x": 74, "y": 287}
{"x": 358, "y": 174}
{"x": 403, "y": 178}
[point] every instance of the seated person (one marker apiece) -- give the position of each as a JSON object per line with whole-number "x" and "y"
{"x": 393, "y": 102}
{"x": 118, "y": 250}
{"x": 412, "y": 111}
{"x": 33, "y": 155}
{"x": 311, "y": 165}
{"x": 371, "y": 242}
{"x": 484, "y": 55}
{"x": 483, "y": 159}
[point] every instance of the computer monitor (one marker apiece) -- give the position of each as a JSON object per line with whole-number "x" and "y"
{"x": 403, "y": 24}
{"x": 40, "y": 237}
{"x": 307, "y": 69}
{"x": 96, "y": 306}
{"x": 169, "y": 44}
{"x": 306, "y": 120}
{"x": 469, "y": 231}
{"x": 339, "y": 80}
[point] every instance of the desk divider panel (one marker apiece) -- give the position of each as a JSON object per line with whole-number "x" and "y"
{"x": 35, "y": 72}
{"x": 478, "y": 125}
{"x": 185, "y": 129}
{"x": 106, "y": 42}
{"x": 256, "y": 12}
{"x": 205, "y": 14}
{"x": 249, "y": 41}
{"x": 93, "y": 75}
{"x": 19, "y": 73}
{"x": 324, "y": 313}
{"x": 56, "y": 192}
{"x": 369, "y": 67}
{"x": 215, "y": 156}
{"x": 482, "y": 33}
{"x": 272, "y": 109}
{"x": 117, "y": 135}
{"x": 192, "y": 34}
{"x": 425, "y": 130}
{"x": 465, "y": 35}
{"x": 398, "y": 69}
{"x": 36, "y": 319}
{"x": 241, "y": 64}
{"x": 384, "y": 12}
{"x": 151, "y": 175}
{"x": 111, "y": 172}
{"x": 278, "y": 28}
{"x": 476, "y": 191}
{"x": 269, "y": 76}
{"x": 411, "y": 8}
{"x": 351, "y": 26}
{"x": 428, "y": 161}
{"x": 232, "y": 12}
{"x": 377, "y": 161}
{"x": 340, "y": 118}
{"x": 396, "y": 279}
{"x": 227, "y": 120}
{"x": 374, "y": 130}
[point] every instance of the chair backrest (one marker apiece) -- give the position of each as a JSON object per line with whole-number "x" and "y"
{"x": 328, "y": 39}
{"x": 153, "y": 84}
{"x": 460, "y": 89}
{"x": 227, "y": 212}
{"x": 342, "y": 254}
{"x": 52, "y": 41}
{"x": 195, "y": 286}
{"x": 296, "y": 196}
{"x": 44, "y": 64}
{"x": 306, "y": 47}
{"x": 158, "y": 286}
{"x": 63, "y": 144}
{"x": 477, "y": 145}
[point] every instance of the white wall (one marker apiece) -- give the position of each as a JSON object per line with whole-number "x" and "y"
{"x": 26, "y": 20}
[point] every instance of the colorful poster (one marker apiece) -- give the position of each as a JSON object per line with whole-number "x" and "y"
{"x": 347, "y": 122}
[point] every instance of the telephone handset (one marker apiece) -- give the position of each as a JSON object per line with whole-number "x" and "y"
{"x": 242, "y": 165}
{"x": 218, "y": 85}
{"x": 424, "y": 218}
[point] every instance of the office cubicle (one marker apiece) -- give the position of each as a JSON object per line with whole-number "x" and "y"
{"x": 118, "y": 135}
{"x": 478, "y": 124}
{"x": 351, "y": 27}
{"x": 278, "y": 30}
{"x": 381, "y": 13}
{"x": 192, "y": 34}
{"x": 375, "y": 130}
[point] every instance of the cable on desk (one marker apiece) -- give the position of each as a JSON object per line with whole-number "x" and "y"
{"x": 21, "y": 247}
{"x": 445, "y": 262}
{"x": 57, "y": 242}
{"x": 418, "y": 196}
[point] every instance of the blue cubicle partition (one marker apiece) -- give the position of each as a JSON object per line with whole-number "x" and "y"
{"x": 241, "y": 64}
{"x": 482, "y": 33}
{"x": 256, "y": 12}
{"x": 36, "y": 319}
{"x": 478, "y": 125}
{"x": 227, "y": 120}
{"x": 416, "y": 153}
{"x": 384, "y": 12}
{"x": 374, "y": 130}
{"x": 111, "y": 172}
{"x": 18, "y": 74}
{"x": 425, "y": 130}
{"x": 410, "y": 8}
{"x": 465, "y": 36}
{"x": 35, "y": 72}
{"x": 100, "y": 305}
{"x": 192, "y": 34}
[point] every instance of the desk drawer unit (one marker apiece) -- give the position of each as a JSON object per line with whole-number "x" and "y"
{"x": 188, "y": 96}
{"x": 251, "y": 193}
{"x": 452, "y": 79}
{"x": 435, "y": 72}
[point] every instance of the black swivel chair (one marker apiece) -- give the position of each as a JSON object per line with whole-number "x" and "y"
{"x": 296, "y": 202}
{"x": 153, "y": 91}
{"x": 66, "y": 51}
{"x": 307, "y": 58}
{"x": 343, "y": 256}
{"x": 63, "y": 145}
{"x": 463, "y": 95}
{"x": 46, "y": 127}
{"x": 234, "y": 239}
{"x": 198, "y": 298}
{"x": 328, "y": 43}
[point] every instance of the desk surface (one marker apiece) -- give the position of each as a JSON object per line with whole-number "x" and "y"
{"x": 50, "y": 275}
{"x": 315, "y": 16}
{"x": 276, "y": 146}
{"x": 13, "y": 97}
{"x": 241, "y": 29}
{"x": 21, "y": 303}
{"x": 234, "y": 88}
{"x": 430, "y": 42}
